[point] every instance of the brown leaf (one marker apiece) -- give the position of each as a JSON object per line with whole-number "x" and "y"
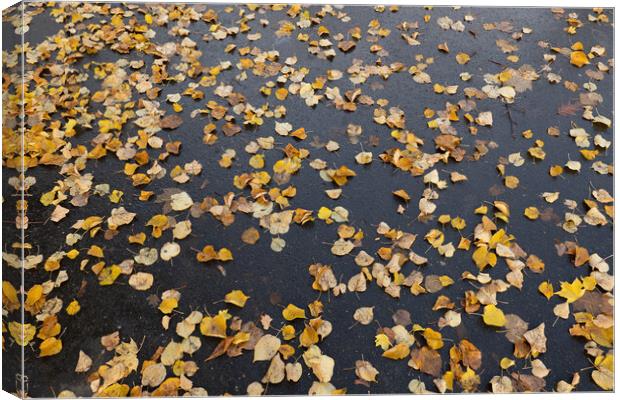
{"x": 527, "y": 383}
{"x": 250, "y": 236}
{"x": 346, "y": 45}
{"x": 515, "y": 327}
{"x": 84, "y": 362}
{"x": 537, "y": 339}
{"x": 110, "y": 341}
{"x": 426, "y": 360}
{"x": 364, "y": 370}
{"x": 171, "y": 122}
{"x": 402, "y": 317}
{"x": 230, "y": 129}
{"x": 595, "y": 303}
{"x": 221, "y": 348}
{"x": 447, "y": 142}
{"x": 568, "y": 109}
{"x": 472, "y": 357}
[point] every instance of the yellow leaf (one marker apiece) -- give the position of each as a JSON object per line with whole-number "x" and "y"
{"x": 397, "y": 352}
{"x": 458, "y": 223}
{"x": 130, "y": 169}
{"x": 286, "y": 350}
{"x": 309, "y": 336}
{"x": 464, "y": 243}
{"x": 114, "y": 390}
{"x": 571, "y": 291}
{"x": 531, "y": 212}
{"x": 299, "y": 133}
{"x": 48, "y": 198}
{"x": 241, "y": 337}
{"x": 493, "y": 316}
{"x": 606, "y": 362}
{"x": 506, "y": 363}
{"x": 236, "y": 297}
{"x": 435, "y": 237}
{"x": 52, "y": 264}
{"x": 9, "y": 296}
{"x": 257, "y": 161}
{"x": 499, "y": 237}
{"x": 138, "y": 238}
{"x": 34, "y": 294}
{"x": 579, "y": 58}
{"x": 469, "y": 380}
{"x": 15, "y": 329}
{"x": 292, "y": 312}
{"x": 402, "y": 194}
{"x": 324, "y": 213}
{"x": 50, "y": 346}
{"x": 108, "y": 275}
{"x": 145, "y": 195}
{"x": 72, "y": 254}
{"x": 481, "y": 210}
{"x": 224, "y": 255}
{"x": 448, "y": 377}
{"x": 49, "y": 328}
{"x": 287, "y": 165}
{"x": 556, "y": 170}
{"x": 578, "y": 45}
{"x": 505, "y": 75}
{"x": 534, "y": 263}
{"x": 511, "y": 182}
{"x": 381, "y": 340}
{"x": 433, "y": 338}
{"x": 281, "y": 94}
{"x": 169, "y": 304}
{"x": 73, "y": 307}
{"x": 115, "y": 196}
{"x": 589, "y": 154}
{"x": 546, "y": 288}
{"x": 288, "y": 332}
{"x": 215, "y": 326}
{"x": 445, "y": 280}
{"x": 91, "y": 222}
{"x": 502, "y": 207}
{"x": 483, "y": 257}
{"x": 444, "y": 218}
{"x": 168, "y": 387}
{"x": 589, "y": 283}
{"x": 537, "y": 152}
{"x": 95, "y": 251}
{"x": 207, "y": 254}
{"x": 462, "y": 58}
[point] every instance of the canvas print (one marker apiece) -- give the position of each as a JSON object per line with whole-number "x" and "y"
{"x": 296, "y": 199}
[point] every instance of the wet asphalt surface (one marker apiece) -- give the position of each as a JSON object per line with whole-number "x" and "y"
{"x": 273, "y": 280}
